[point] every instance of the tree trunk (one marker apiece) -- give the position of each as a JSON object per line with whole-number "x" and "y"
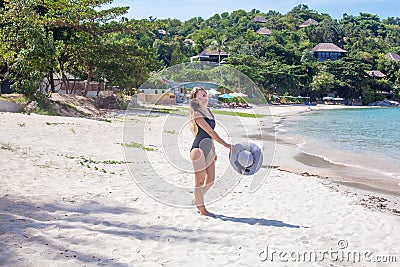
{"x": 98, "y": 90}
{"x": 89, "y": 78}
{"x": 64, "y": 79}
{"x": 73, "y": 89}
{"x": 65, "y": 82}
{"x": 52, "y": 87}
{"x": 3, "y": 77}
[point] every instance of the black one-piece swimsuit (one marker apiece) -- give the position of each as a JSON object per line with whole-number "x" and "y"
{"x": 203, "y": 140}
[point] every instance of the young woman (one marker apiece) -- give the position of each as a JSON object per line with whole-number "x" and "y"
{"x": 202, "y": 153}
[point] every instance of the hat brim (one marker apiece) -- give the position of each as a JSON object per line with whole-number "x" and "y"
{"x": 257, "y": 158}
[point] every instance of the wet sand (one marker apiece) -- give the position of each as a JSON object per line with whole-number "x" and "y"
{"x": 365, "y": 182}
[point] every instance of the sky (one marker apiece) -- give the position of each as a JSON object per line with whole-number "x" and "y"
{"x": 186, "y": 9}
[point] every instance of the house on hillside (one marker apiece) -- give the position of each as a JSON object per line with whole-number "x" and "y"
{"x": 325, "y": 51}
{"x": 259, "y": 19}
{"x": 376, "y": 74}
{"x": 161, "y": 33}
{"x": 212, "y": 55}
{"x": 386, "y": 92}
{"x": 264, "y": 31}
{"x": 308, "y": 23}
{"x": 392, "y": 55}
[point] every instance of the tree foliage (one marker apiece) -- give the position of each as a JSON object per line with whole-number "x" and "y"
{"x": 43, "y": 37}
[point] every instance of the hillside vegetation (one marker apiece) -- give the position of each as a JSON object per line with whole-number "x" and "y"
{"x": 41, "y": 38}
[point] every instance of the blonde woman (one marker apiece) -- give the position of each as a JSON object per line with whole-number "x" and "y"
{"x": 202, "y": 153}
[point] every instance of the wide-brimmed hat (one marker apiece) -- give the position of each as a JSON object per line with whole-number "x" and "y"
{"x": 247, "y": 158}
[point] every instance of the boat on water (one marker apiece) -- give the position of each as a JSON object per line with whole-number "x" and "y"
{"x": 385, "y": 103}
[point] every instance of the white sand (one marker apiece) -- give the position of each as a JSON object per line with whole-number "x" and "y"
{"x": 54, "y": 211}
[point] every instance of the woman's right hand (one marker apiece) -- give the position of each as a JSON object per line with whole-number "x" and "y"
{"x": 231, "y": 147}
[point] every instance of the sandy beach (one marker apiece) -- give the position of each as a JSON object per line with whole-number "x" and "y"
{"x": 68, "y": 197}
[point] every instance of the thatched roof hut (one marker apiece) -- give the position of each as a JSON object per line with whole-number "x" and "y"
{"x": 327, "y": 51}
{"x": 392, "y": 55}
{"x": 328, "y": 47}
{"x": 376, "y": 74}
{"x": 264, "y": 31}
{"x": 259, "y": 19}
{"x": 308, "y": 23}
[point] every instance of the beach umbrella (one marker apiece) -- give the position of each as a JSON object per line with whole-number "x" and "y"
{"x": 236, "y": 94}
{"x": 213, "y": 92}
{"x": 226, "y": 96}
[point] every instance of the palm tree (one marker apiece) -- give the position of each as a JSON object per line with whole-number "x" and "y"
{"x": 219, "y": 44}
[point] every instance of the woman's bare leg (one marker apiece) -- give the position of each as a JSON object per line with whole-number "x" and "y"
{"x": 210, "y": 177}
{"x": 197, "y": 157}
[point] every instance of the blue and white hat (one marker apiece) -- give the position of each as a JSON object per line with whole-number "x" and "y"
{"x": 247, "y": 158}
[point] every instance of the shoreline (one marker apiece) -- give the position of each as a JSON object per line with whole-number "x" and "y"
{"x": 310, "y": 165}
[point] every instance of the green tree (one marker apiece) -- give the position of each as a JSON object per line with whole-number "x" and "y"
{"x": 26, "y": 48}
{"x": 323, "y": 81}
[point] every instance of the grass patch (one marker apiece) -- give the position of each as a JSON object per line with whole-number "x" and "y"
{"x": 171, "y": 131}
{"x": 54, "y": 123}
{"x": 233, "y": 113}
{"x": 84, "y": 160}
{"x": 137, "y": 145}
{"x": 22, "y": 100}
{"x": 21, "y": 124}
{"x": 239, "y": 114}
{"x": 92, "y": 164}
{"x": 7, "y": 147}
{"x": 164, "y": 110}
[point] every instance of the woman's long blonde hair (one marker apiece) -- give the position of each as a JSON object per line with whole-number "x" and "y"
{"x": 194, "y": 106}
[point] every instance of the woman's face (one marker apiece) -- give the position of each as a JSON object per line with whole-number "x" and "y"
{"x": 202, "y": 98}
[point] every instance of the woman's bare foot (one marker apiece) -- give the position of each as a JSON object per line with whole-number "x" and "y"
{"x": 203, "y": 211}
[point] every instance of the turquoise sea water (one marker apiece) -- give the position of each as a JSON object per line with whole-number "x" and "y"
{"x": 367, "y": 137}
